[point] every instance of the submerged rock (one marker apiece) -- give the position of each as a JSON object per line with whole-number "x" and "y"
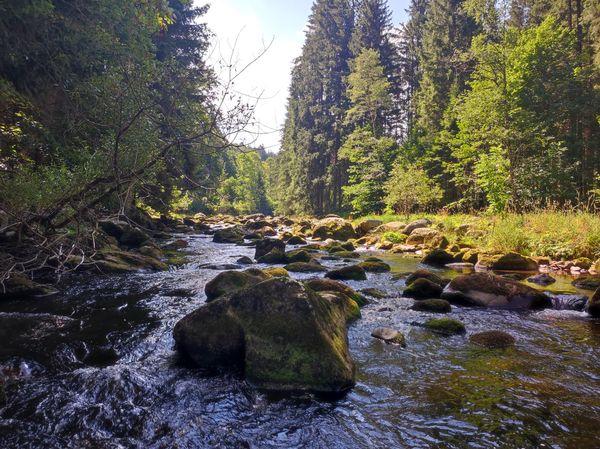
{"x": 333, "y": 228}
{"x": 422, "y": 289}
{"x": 390, "y": 336}
{"x": 374, "y": 293}
{"x": 489, "y": 290}
{"x": 542, "y": 279}
{"x": 587, "y": 282}
{"x": 432, "y": 305}
{"x": 352, "y": 272}
{"x": 445, "y": 326}
{"x": 284, "y": 335}
{"x": 493, "y": 339}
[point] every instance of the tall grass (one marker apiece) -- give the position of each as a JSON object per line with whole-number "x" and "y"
{"x": 551, "y": 233}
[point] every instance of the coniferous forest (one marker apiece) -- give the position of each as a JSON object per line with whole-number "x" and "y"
{"x": 414, "y": 265}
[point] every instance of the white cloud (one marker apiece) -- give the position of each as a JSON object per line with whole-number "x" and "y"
{"x": 241, "y": 33}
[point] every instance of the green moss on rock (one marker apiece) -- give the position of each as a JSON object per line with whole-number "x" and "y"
{"x": 445, "y": 326}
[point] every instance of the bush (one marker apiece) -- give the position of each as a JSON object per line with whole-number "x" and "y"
{"x": 409, "y": 189}
{"x": 394, "y": 237}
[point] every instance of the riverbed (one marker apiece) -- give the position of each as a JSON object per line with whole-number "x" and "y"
{"x": 107, "y": 376}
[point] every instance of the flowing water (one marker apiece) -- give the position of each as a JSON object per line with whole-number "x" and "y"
{"x": 94, "y": 367}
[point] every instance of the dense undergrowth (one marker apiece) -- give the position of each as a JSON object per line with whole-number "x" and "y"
{"x": 558, "y": 235}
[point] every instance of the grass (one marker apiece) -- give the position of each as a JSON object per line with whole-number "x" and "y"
{"x": 554, "y": 234}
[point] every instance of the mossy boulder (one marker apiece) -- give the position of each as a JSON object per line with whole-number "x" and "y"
{"x": 374, "y": 293}
{"x": 233, "y": 234}
{"x": 284, "y": 335}
{"x": 375, "y": 266}
{"x": 347, "y": 254}
{"x": 587, "y": 282}
{"x": 422, "y": 289}
{"x": 490, "y": 290}
{"x": 493, "y": 339}
{"x": 298, "y": 255}
{"x": 390, "y": 336}
{"x": 352, "y": 272}
{"x": 296, "y": 240}
{"x": 19, "y": 286}
{"x": 507, "y": 262}
{"x": 244, "y": 260}
{"x": 583, "y": 262}
{"x": 325, "y": 285}
{"x": 275, "y": 256}
{"x": 277, "y": 272}
{"x": 417, "y": 224}
{"x": 351, "y": 307}
{"x": 426, "y": 274}
{"x": 116, "y": 261}
{"x": 305, "y": 267}
{"x": 232, "y": 281}
{"x": 438, "y": 257}
{"x": 176, "y": 244}
{"x": 333, "y": 228}
{"x": 265, "y": 246}
{"x": 593, "y": 305}
{"x": 445, "y": 326}
{"x": 133, "y": 237}
{"x": 366, "y": 226}
{"x": 420, "y": 236}
{"x": 432, "y": 305}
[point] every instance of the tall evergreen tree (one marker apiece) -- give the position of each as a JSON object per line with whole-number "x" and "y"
{"x": 317, "y": 104}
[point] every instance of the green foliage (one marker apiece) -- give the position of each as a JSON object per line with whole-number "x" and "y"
{"x": 409, "y": 188}
{"x": 243, "y": 192}
{"x": 394, "y": 237}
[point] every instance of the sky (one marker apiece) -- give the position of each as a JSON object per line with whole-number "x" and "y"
{"x": 243, "y": 29}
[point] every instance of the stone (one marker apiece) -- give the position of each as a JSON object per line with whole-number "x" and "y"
{"x": 334, "y": 228}
{"x": 493, "y": 339}
{"x": 375, "y": 266}
{"x": 438, "y": 257}
{"x": 593, "y": 305}
{"x": 445, "y": 326}
{"x": 285, "y": 336}
{"x": 390, "y": 336}
{"x": 298, "y": 255}
{"x": 374, "y": 293}
{"x": 175, "y": 245}
{"x": 244, "y": 260}
{"x": 20, "y": 286}
{"x": 366, "y": 226}
{"x": 352, "y": 272}
{"x": 232, "y": 281}
{"x": 422, "y": 235}
{"x": 296, "y": 240}
{"x": 229, "y": 235}
{"x": 347, "y": 254}
{"x": 426, "y": 274}
{"x": 277, "y": 272}
{"x": 117, "y": 261}
{"x": 490, "y": 290}
{"x": 324, "y": 285}
{"x": 507, "y": 262}
{"x": 274, "y": 257}
{"x": 393, "y": 226}
{"x": 151, "y": 251}
{"x": 417, "y": 224}
{"x": 265, "y": 246}
{"x": 305, "y": 267}
{"x": 542, "y": 279}
{"x": 583, "y": 262}
{"x": 432, "y": 305}
{"x": 422, "y": 289}
{"x": 587, "y": 282}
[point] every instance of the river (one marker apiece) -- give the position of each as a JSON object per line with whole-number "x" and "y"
{"x": 107, "y": 376}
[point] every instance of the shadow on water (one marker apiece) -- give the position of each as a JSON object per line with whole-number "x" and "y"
{"x": 94, "y": 367}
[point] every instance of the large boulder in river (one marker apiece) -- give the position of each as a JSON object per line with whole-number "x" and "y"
{"x": 507, "y": 262}
{"x": 233, "y": 234}
{"x": 333, "y": 228}
{"x": 489, "y": 290}
{"x": 366, "y": 226}
{"x": 422, "y": 289}
{"x": 285, "y": 336}
{"x": 438, "y": 257}
{"x": 233, "y": 281}
{"x": 265, "y": 246}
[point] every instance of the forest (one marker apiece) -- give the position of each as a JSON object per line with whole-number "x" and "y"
{"x": 416, "y": 265}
